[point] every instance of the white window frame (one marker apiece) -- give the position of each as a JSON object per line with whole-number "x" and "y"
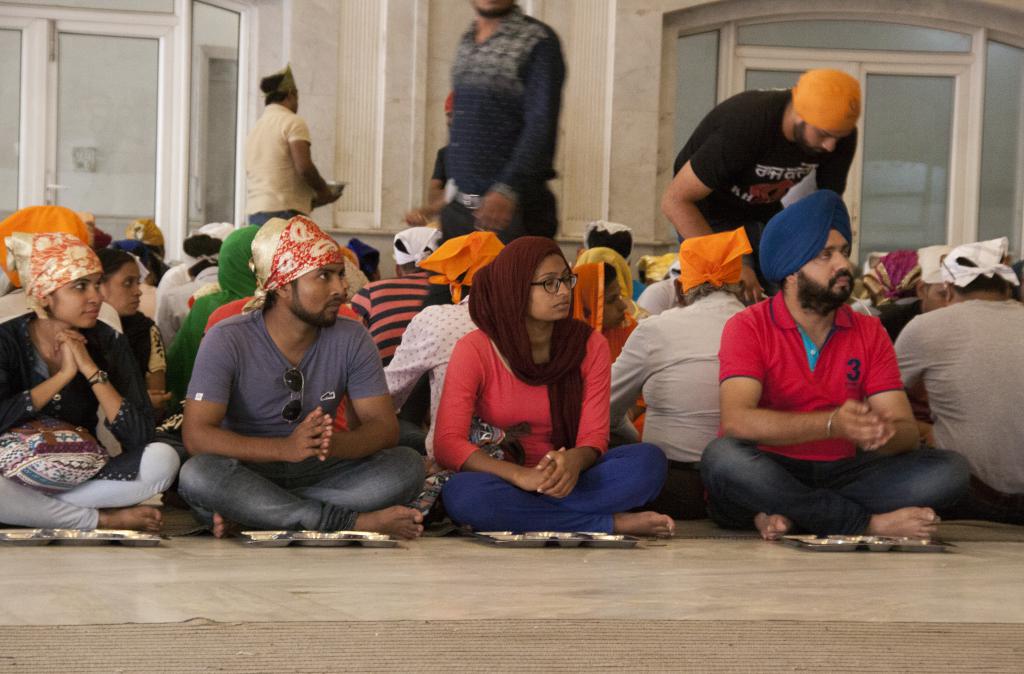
{"x": 40, "y": 25}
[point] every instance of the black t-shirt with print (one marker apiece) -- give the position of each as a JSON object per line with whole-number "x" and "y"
{"x": 738, "y": 150}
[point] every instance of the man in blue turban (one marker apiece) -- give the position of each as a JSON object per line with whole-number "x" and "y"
{"x": 818, "y": 434}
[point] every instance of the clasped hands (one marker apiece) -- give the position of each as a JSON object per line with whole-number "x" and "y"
{"x": 311, "y": 437}
{"x": 554, "y": 475}
{"x": 858, "y": 423}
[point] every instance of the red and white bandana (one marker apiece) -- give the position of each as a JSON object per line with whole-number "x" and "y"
{"x": 284, "y": 250}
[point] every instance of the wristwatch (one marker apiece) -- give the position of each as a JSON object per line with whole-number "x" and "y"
{"x": 99, "y": 377}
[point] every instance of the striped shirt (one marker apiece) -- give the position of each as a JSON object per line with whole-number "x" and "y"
{"x": 387, "y": 306}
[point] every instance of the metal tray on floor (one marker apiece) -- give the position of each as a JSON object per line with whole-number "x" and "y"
{"x": 561, "y": 539}
{"x": 332, "y": 539}
{"x": 869, "y": 543}
{"x": 24, "y": 537}
{"x": 78, "y": 537}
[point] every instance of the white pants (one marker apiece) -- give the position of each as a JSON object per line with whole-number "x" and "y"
{"x": 78, "y": 508}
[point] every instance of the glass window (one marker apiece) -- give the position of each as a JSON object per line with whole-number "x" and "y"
{"x": 770, "y": 79}
{"x": 696, "y": 82}
{"x": 837, "y": 34}
{"x": 10, "y": 122}
{"x": 999, "y": 212}
{"x": 163, "y": 6}
{"x": 106, "y": 127}
{"x": 908, "y": 123}
{"x": 214, "y": 115}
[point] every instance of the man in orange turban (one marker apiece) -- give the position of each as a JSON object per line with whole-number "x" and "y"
{"x": 673, "y": 359}
{"x": 751, "y": 149}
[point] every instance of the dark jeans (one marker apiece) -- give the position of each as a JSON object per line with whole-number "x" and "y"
{"x": 260, "y": 219}
{"x": 982, "y": 502}
{"x": 309, "y": 495}
{"x": 623, "y": 479}
{"x": 536, "y": 215}
{"x": 682, "y": 496}
{"x": 826, "y": 497}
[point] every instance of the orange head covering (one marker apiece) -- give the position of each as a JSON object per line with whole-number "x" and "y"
{"x": 457, "y": 260}
{"x": 449, "y": 103}
{"x": 828, "y": 99}
{"x": 48, "y": 261}
{"x": 39, "y": 220}
{"x": 715, "y": 258}
{"x": 588, "y": 300}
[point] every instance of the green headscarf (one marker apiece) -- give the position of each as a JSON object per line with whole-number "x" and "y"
{"x": 236, "y": 281}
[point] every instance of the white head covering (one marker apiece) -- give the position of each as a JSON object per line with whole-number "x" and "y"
{"x": 987, "y": 257}
{"x": 418, "y": 243}
{"x": 218, "y": 230}
{"x": 930, "y": 261}
{"x": 603, "y": 226}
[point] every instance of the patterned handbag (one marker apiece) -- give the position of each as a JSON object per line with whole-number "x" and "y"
{"x": 50, "y": 455}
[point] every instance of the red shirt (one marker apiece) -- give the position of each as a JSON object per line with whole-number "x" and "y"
{"x": 479, "y": 383}
{"x": 856, "y": 362}
{"x": 387, "y": 306}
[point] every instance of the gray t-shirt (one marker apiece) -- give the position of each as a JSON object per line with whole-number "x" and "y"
{"x": 239, "y": 365}
{"x": 970, "y": 358}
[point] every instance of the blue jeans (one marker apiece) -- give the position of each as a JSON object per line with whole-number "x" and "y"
{"x": 309, "y": 495}
{"x": 260, "y": 219}
{"x": 825, "y": 497}
{"x": 624, "y": 478}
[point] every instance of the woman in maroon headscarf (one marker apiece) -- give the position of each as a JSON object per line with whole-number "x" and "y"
{"x": 530, "y": 364}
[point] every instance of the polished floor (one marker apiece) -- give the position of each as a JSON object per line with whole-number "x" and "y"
{"x": 446, "y": 579}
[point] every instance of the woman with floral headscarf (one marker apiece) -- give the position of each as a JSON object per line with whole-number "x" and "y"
{"x": 530, "y": 364}
{"x": 59, "y": 364}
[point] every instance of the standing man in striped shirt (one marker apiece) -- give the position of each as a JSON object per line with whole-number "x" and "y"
{"x": 387, "y": 306}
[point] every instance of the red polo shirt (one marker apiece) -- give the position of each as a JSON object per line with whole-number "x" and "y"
{"x": 856, "y": 362}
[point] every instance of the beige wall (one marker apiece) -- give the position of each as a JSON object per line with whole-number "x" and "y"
{"x": 374, "y": 74}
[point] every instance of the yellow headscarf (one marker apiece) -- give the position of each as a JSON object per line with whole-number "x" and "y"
{"x": 622, "y": 271}
{"x": 655, "y": 267}
{"x": 146, "y": 231}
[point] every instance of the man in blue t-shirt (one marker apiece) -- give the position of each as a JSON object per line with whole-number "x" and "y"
{"x": 262, "y": 399}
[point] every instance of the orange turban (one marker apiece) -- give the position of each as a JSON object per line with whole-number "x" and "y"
{"x": 40, "y": 220}
{"x": 457, "y": 260}
{"x": 715, "y": 258}
{"x": 828, "y": 99}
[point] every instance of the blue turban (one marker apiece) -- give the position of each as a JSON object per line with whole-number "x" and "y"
{"x": 797, "y": 233}
{"x": 369, "y": 257}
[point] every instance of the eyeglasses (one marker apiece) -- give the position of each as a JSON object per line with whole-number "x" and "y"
{"x": 295, "y": 382}
{"x": 553, "y": 285}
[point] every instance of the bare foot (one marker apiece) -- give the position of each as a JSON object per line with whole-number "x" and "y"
{"x": 910, "y": 522}
{"x": 648, "y": 523}
{"x": 772, "y": 527}
{"x": 137, "y": 518}
{"x": 397, "y": 521}
{"x": 223, "y": 528}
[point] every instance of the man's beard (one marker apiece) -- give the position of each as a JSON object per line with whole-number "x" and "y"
{"x": 495, "y": 13}
{"x": 800, "y": 136}
{"x": 324, "y": 319}
{"x": 820, "y": 299}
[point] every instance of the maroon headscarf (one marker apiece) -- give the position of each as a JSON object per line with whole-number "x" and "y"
{"x": 499, "y": 304}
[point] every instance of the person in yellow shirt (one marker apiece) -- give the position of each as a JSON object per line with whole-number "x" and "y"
{"x": 281, "y": 179}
